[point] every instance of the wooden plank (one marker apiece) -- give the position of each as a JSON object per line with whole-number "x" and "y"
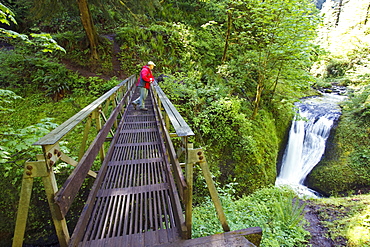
{"x": 176, "y": 169}
{"x": 229, "y": 239}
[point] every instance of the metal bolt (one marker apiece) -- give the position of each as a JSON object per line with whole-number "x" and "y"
{"x": 201, "y": 157}
{"x": 29, "y": 167}
{"x": 51, "y": 163}
{"x": 199, "y": 153}
{"x": 55, "y": 151}
{"x": 29, "y": 173}
{"x": 50, "y": 155}
{"x": 59, "y": 154}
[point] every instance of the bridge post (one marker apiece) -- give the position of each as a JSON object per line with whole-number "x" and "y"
{"x": 52, "y": 154}
{"x": 197, "y": 156}
{"x": 99, "y": 126}
{"x": 189, "y": 167}
{"x": 23, "y": 206}
{"x": 42, "y": 168}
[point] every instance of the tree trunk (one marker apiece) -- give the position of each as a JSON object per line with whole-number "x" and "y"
{"x": 339, "y": 12}
{"x": 257, "y": 101}
{"x": 229, "y": 21}
{"x": 367, "y": 14}
{"x": 89, "y": 27}
{"x": 261, "y": 83}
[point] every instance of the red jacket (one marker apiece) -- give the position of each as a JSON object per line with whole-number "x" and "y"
{"x": 145, "y": 78}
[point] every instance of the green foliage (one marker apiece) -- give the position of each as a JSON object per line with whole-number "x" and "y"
{"x": 34, "y": 117}
{"x": 43, "y": 42}
{"x": 18, "y": 143}
{"x": 276, "y": 210}
{"x": 169, "y": 45}
{"x": 6, "y": 15}
{"x": 77, "y": 47}
{"x": 53, "y": 78}
{"x": 15, "y": 148}
{"x": 6, "y": 98}
{"x": 347, "y": 217}
{"x": 245, "y": 154}
{"x": 336, "y": 68}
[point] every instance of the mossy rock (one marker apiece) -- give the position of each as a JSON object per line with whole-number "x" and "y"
{"x": 332, "y": 178}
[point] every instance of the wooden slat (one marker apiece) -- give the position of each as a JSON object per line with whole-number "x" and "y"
{"x": 250, "y": 237}
{"x": 133, "y": 190}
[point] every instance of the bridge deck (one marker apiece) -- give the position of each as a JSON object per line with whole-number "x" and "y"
{"x": 134, "y": 204}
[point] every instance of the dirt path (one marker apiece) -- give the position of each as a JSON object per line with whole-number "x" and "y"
{"x": 319, "y": 234}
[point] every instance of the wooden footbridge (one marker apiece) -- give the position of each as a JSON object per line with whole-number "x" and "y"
{"x": 142, "y": 193}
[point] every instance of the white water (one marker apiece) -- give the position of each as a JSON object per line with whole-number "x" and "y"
{"x": 307, "y": 139}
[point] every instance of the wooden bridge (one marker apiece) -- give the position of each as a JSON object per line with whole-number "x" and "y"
{"x": 142, "y": 194}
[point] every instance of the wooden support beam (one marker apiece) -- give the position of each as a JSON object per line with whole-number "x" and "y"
{"x": 99, "y": 126}
{"x": 197, "y": 156}
{"x": 74, "y": 163}
{"x": 41, "y": 169}
{"x": 85, "y": 136}
{"x": 214, "y": 195}
{"x": 23, "y": 206}
{"x": 189, "y": 171}
{"x": 60, "y": 223}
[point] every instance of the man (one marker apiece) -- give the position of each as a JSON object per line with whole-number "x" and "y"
{"x": 145, "y": 79}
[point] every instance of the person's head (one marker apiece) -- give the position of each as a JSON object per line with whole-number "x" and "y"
{"x": 151, "y": 65}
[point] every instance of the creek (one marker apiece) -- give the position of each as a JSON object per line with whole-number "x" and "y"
{"x": 308, "y": 135}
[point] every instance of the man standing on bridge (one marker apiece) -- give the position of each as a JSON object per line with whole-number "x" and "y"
{"x": 145, "y": 79}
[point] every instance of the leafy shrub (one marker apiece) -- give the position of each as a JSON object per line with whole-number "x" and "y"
{"x": 236, "y": 146}
{"x": 169, "y": 45}
{"x": 54, "y": 78}
{"x": 276, "y": 210}
{"x": 15, "y": 148}
{"x": 15, "y": 69}
{"x": 6, "y": 98}
{"x": 337, "y": 68}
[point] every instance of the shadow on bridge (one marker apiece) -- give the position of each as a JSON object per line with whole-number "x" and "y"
{"x": 142, "y": 194}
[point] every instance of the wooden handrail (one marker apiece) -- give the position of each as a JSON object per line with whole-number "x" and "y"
{"x": 57, "y": 134}
{"x": 182, "y": 129}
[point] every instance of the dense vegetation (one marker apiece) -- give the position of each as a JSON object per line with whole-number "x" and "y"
{"x": 233, "y": 69}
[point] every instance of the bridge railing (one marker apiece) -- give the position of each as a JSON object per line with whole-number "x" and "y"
{"x": 111, "y": 104}
{"x": 170, "y": 117}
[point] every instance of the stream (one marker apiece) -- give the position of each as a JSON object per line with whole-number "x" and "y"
{"x": 308, "y": 134}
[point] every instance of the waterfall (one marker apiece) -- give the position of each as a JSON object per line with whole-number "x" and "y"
{"x": 307, "y": 139}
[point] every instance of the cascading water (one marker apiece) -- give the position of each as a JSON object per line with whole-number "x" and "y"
{"x": 307, "y": 139}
